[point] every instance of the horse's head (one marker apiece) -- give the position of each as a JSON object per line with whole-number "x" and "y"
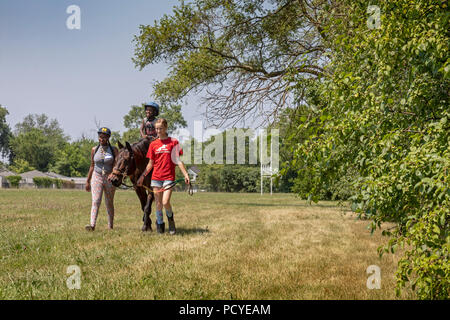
{"x": 125, "y": 165}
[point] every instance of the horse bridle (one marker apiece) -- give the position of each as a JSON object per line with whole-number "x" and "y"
{"x": 124, "y": 173}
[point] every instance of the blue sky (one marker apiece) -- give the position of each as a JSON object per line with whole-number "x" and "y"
{"x": 77, "y": 76}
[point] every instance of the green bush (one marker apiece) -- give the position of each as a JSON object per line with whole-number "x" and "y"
{"x": 14, "y": 181}
{"x": 58, "y": 183}
{"x": 43, "y": 182}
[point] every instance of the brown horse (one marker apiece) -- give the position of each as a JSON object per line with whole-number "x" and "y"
{"x": 131, "y": 162}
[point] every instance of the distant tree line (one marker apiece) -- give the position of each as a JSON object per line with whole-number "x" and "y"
{"x": 39, "y": 143}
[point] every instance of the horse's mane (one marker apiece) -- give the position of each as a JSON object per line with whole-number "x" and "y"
{"x": 142, "y": 145}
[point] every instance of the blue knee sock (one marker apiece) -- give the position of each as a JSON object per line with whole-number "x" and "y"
{"x": 159, "y": 217}
{"x": 169, "y": 213}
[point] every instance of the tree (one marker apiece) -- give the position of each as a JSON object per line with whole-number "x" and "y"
{"x": 74, "y": 159}
{"x": 385, "y": 113}
{"x": 14, "y": 181}
{"x": 49, "y": 127}
{"x": 242, "y": 177}
{"x": 295, "y": 175}
{"x": 172, "y": 113}
{"x": 380, "y": 112}
{"x": 238, "y": 53}
{"x": 21, "y": 166}
{"x": 115, "y": 138}
{"x": 5, "y": 132}
{"x": 36, "y": 140}
{"x": 33, "y": 147}
{"x": 133, "y": 119}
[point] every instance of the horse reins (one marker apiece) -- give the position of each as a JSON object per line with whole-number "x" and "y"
{"x": 171, "y": 185}
{"x": 134, "y": 186}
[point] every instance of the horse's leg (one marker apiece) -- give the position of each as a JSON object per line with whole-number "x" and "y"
{"x": 148, "y": 211}
{"x": 148, "y": 204}
{"x": 142, "y": 195}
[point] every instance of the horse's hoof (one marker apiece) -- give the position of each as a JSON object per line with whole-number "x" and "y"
{"x": 146, "y": 228}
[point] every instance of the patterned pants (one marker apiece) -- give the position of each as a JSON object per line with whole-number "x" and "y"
{"x": 99, "y": 184}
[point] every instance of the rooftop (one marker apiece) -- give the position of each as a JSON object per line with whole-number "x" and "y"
{"x": 6, "y": 173}
{"x": 195, "y": 169}
{"x": 33, "y": 174}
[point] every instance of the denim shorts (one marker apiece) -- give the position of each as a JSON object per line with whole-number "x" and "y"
{"x": 161, "y": 183}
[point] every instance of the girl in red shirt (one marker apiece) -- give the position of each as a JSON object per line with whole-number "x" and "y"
{"x": 164, "y": 154}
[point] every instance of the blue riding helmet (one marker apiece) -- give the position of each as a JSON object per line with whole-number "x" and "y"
{"x": 105, "y": 131}
{"x": 152, "y": 104}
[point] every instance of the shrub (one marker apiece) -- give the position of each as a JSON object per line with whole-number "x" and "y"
{"x": 58, "y": 183}
{"x": 14, "y": 181}
{"x": 43, "y": 182}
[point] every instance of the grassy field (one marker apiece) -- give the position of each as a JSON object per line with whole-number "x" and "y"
{"x": 228, "y": 246}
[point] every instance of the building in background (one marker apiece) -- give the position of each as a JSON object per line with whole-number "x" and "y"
{"x": 3, "y": 174}
{"x": 27, "y": 179}
{"x": 193, "y": 171}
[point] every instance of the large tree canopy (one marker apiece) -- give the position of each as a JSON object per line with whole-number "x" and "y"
{"x": 384, "y": 112}
{"x": 36, "y": 140}
{"x": 49, "y": 127}
{"x": 241, "y": 55}
{"x": 74, "y": 159}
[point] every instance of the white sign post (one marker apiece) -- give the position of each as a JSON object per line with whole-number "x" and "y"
{"x": 267, "y": 169}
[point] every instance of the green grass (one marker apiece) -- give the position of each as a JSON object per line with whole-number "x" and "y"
{"x": 228, "y": 246}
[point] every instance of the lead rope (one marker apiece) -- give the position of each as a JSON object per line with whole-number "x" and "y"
{"x": 190, "y": 190}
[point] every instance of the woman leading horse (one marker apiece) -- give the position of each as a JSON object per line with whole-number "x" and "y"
{"x": 102, "y": 162}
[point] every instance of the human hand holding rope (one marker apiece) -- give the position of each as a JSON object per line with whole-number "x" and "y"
{"x": 141, "y": 179}
{"x": 148, "y": 169}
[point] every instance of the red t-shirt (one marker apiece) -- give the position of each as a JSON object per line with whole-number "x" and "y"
{"x": 162, "y": 152}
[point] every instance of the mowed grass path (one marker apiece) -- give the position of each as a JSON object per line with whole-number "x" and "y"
{"x": 228, "y": 246}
